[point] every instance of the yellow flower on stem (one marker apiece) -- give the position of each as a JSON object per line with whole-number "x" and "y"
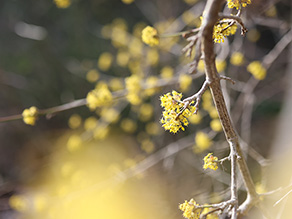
{"x": 210, "y": 162}
{"x": 30, "y": 115}
{"x": 238, "y": 3}
{"x": 190, "y": 209}
{"x": 150, "y": 36}
{"x": 100, "y": 96}
{"x": 174, "y": 114}
{"x": 223, "y": 29}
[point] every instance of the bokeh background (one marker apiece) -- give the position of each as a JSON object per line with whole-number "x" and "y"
{"x": 117, "y": 161}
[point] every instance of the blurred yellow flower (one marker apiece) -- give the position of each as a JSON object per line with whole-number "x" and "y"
{"x": 133, "y": 86}
{"x": 215, "y": 125}
{"x": 74, "y": 143}
{"x": 18, "y": 203}
{"x": 203, "y": 142}
{"x": 92, "y": 75}
{"x": 98, "y": 97}
{"x": 150, "y": 36}
{"x": 257, "y": 70}
{"x": 185, "y": 82}
{"x": 147, "y": 146}
{"x": 90, "y": 123}
{"x": 128, "y": 125}
{"x": 127, "y": 1}
{"x": 220, "y": 65}
{"x": 105, "y": 60}
{"x": 152, "y": 57}
{"x": 166, "y": 72}
{"x": 74, "y": 121}
{"x": 237, "y": 59}
{"x": 62, "y": 3}
{"x": 30, "y": 115}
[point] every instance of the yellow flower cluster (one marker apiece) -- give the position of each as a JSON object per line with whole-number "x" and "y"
{"x": 98, "y": 97}
{"x": 150, "y": 36}
{"x": 238, "y": 3}
{"x": 222, "y": 30}
{"x": 133, "y": 85}
{"x": 62, "y": 3}
{"x": 190, "y": 209}
{"x": 257, "y": 70}
{"x": 210, "y": 162}
{"x": 30, "y": 115}
{"x": 172, "y": 104}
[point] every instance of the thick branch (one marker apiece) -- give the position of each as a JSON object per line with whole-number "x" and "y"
{"x": 212, "y": 10}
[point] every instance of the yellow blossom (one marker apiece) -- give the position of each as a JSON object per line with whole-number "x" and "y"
{"x": 237, "y": 59}
{"x": 213, "y": 112}
{"x": 116, "y": 84}
{"x": 135, "y": 48}
{"x": 222, "y": 29}
{"x": 98, "y": 97}
{"x": 74, "y": 143}
{"x": 210, "y": 162}
{"x": 90, "y": 123}
{"x": 173, "y": 105}
{"x": 123, "y": 58}
{"x": 201, "y": 66}
{"x": 257, "y": 70}
{"x": 166, "y": 72}
{"x": 62, "y": 3}
{"x": 128, "y": 1}
{"x": 100, "y": 132}
{"x": 150, "y": 36}
{"x": 185, "y": 82}
{"x": 147, "y": 146}
{"x": 18, "y": 203}
{"x": 109, "y": 115}
{"x": 30, "y": 115}
{"x": 133, "y": 86}
{"x": 92, "y": 75}
{"x": 152, "y": 57}
{"x": 119, "y": 36}
{"x": 215, "y": 124}
{"x": 128, "y": 125}
{"x": 238, "y": 3}
{"x": 271, "y": 12}
{"x": 151, "y": 83}
{"x": 145, "y": 112}
{"x": 195, "y": 118}
{"x": 74, "y": 121}
{"x": 105, "y": 61}
{"x": 203, "y": 142}
{"x": 253, "y": 35}
{"x": 190, "y": 209}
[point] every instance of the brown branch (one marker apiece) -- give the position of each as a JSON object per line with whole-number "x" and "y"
{"x": 212, "y": 10}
